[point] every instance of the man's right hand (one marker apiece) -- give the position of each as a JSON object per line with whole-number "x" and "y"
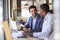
{"x": 27, "y": 30}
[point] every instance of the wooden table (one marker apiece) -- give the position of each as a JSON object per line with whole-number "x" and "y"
{"x": 25, "y": 38}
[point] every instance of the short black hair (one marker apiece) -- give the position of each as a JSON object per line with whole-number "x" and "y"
{"x": 32, "y": 6}
{"x": 45, "y": 7}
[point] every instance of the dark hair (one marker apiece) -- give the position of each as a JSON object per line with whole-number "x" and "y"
{"x": 45, "y": 7}
{"x": 32, "y": 6}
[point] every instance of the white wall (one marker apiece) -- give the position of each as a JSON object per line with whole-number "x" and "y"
{"x": 56, "y": 8}
{"x": 1, "y": 20}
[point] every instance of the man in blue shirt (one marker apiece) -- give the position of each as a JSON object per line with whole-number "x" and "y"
{"x": 34, "y": 23}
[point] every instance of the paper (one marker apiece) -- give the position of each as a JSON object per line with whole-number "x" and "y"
{"x": 17, "y": 34}
{"x": 21, "y": 25}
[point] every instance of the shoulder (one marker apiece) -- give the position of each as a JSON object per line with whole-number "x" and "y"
{"x": 30, "y": 18}
{"x": 50, "y": 15}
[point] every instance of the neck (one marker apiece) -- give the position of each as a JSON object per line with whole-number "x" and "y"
{"x": 34, "y": 16}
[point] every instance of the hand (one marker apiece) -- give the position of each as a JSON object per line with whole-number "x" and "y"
{"x": 28, "y": 34}
{"x": 26, "y": 30}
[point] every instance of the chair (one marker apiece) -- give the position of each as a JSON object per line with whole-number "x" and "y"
{"x": 7, "y": 31}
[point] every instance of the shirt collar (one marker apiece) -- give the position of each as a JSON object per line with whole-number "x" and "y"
{"x": 35, "y": 17}
{"x": 47, "y": 15}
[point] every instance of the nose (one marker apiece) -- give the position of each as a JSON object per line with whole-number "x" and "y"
{"x": 33, "y": 12}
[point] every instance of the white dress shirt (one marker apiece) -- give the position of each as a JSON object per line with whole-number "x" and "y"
{"x": 46, "y": 28}
{"x": 34, "y": 22}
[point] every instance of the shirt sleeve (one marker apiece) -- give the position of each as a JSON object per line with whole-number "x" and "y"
{"x": 27, "y": 24}
{"x": 46, "y": 29}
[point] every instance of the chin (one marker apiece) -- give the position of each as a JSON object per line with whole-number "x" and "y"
{"x": 34, "y": 15}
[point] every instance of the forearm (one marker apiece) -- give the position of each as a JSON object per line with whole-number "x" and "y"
{"x": 41, "y": 34}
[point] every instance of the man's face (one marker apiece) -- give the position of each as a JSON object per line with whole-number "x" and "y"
{"x": 33, "y": 12}
{"x": 42, "y": 12}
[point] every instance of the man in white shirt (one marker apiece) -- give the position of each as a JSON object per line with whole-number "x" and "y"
{"x": 47, "y": 24}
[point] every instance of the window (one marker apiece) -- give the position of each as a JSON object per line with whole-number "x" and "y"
{"x": 25, "y": 8}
